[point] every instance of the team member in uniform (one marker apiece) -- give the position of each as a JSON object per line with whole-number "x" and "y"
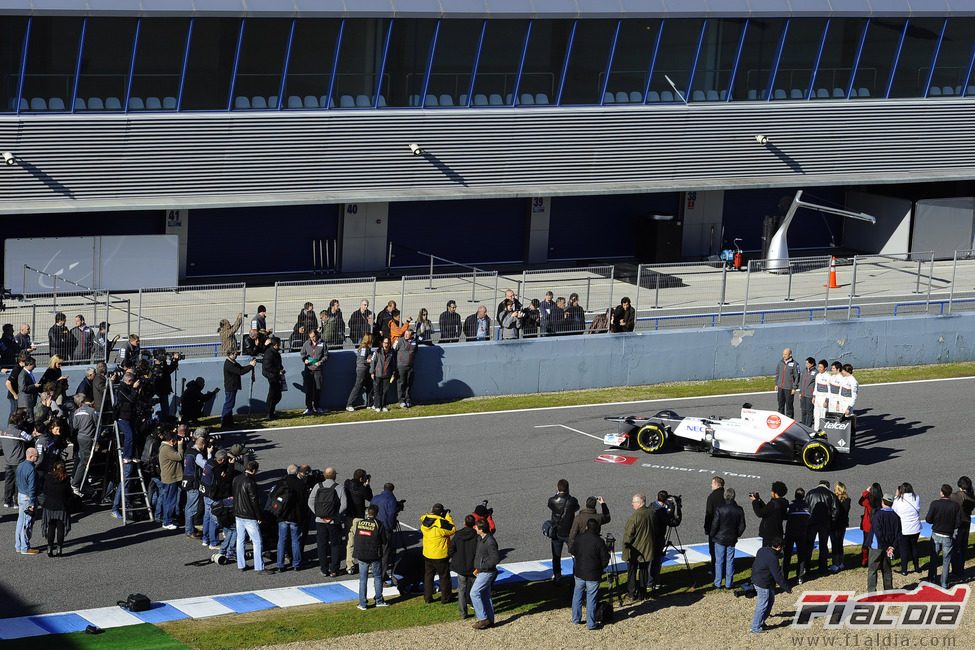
{"x": 821, "y": 394}
{"x": 849, "y": 387}
{"x": 807, "y": 388}
{"x": 786, "y": 383}
{"x": 835, "y": 382}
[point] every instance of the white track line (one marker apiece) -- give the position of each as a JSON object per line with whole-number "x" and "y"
{"x": 546, "y": 426}
{"x": 574, "y": 406}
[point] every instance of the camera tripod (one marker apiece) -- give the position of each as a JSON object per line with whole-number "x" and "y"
{"x": 679, "y": 548}
{"x": 614, "y": 572}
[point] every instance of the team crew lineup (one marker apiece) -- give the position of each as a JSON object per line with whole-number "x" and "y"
{"x": 821, "y": 393}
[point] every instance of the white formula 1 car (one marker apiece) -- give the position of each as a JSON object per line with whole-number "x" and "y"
{"x": 761, "y": 435}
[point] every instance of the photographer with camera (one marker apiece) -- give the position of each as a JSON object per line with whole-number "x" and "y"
{"x": 273, "y": 371}
{"x": 587, "y": 513}
{"x": 773, "y": 514}
{"x": 329, "y": 502}
{"x": 509, "y": 318}
{"x": 591, "y": 557}
{"x": 163, "y": 366}
{"x": 232, "y": 374}
{"x": 664, "y": 510}
{"x": 437, "y": 527}
{"x": 638, "y": 548}
{"x": 228, "y": 334}
{"x": 357, "y": 492}
{"x": 130, "y": 353}
{"x": 563, "y": 507}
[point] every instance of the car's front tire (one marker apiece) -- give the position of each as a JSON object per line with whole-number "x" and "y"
{"x": 817, "y": 455}
{"x": 651, "y": 438}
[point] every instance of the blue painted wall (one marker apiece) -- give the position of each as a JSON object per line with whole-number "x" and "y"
{"x": 565, "y": 363}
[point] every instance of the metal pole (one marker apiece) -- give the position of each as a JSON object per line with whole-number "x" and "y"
{"x": 243, "y": 307}
{"x": 24, "y": 289}
{"x": 917, "y": 276}
{"x": 274, "y": 318}
{"x": 656, "y": 293}
{"x": 33, "y": 319}
{"x": 373, "y": 303}
{"x": 853, "y": 286}
{"x": 139, "y": 323}
{"x": 927, "y": 301}
{"x": 402, "y": 294}
{"x": 636, "y": 301}
{"x": 54, "y": 291}
{"x": 389, "y": 258}
{"x": 724, "y": 279}
{"x": 430, "y": 285}
{"x": 588, "y": 289}
{"x": 314, "y": 254}
{"x": 522, "y": 291}
{"x": 788, "y": 297}
{"x": 744, "y": 305}
{"x": 951, "y": 288}
{"x": 612, "y": 284}
{"x": 826, "y": 303}
{"x": 328, "y": 257}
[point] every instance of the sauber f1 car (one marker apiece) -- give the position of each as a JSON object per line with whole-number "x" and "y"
{"x": 761, "y": 435}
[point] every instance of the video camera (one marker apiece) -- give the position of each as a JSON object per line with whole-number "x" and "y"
{"x": 674, "y": 507}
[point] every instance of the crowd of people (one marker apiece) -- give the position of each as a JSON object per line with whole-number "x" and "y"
{"x": 891, "y": 525}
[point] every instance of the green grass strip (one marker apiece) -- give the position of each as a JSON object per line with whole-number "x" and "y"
{"x": 591, "y": 396}
{"x": 132, "y": 637}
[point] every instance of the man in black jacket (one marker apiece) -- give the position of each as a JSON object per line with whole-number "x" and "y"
{"x": 477, "y": 327}
{"x": 232, "y": 373}
{"x": 823, "y": 509}
{"x": 371, "y": 538}
{"x": 357, "y": 492}
{"x": 159, "y": 378}
{"x": 292, "y": 516}
{"x": 486, "y": 559}
{"x": 563, "y": 506}
{"x": 591, "y": 557}
{"x": 461, "y": 554}
{"x": 360, "y": 323}
{"x": 772, "y": 514}
{"x": 59, "y": 339}
{"x": 765, "y": 574}
{"x": 623, "y": 317}
{"x": 944, "y": 515}
{"x": 247, "y": 509}
{"x": 715, "y": 500}
{"x": 886, "y": 527}
{"x": 450, "y": 324}
{"x": 273, "y": 371}
{"x": 796, "y": 534}
{"x": 726, "y": 527}
{"x": 587, "y": 513}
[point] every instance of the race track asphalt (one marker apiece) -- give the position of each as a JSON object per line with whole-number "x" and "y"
{"x": 916, "y": 432}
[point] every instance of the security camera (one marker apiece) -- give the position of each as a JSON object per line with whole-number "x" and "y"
{"x": 761, "y": 139}
{"x": 9, "y": 158}
{"x": 414, "y": 147}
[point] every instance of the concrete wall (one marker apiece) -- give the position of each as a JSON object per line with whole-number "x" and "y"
{"x": 565, "y": 363}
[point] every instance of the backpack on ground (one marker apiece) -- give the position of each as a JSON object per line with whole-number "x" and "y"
{"x": 327, "y": 502}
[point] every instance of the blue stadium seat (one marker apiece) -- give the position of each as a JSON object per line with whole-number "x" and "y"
{"x": 622, "y": 97}
{"x": 136, "y": 104}
{"x": 666, "y": 96}
{"x": 169, "y": 103}
{"x": 541, "y": 98}
{"x": 636, "y": 97}
{"x": 947, "y": 91}
{"x": 240, "y": 103}
{"x": 698, "y": 96}
{"x": 295, "y": 102}
{"x": 430, "y": 100}
{"x": 822, "y": 93}
{"x": 153, "y": 104}
{"x": 414, "y": 100}
{"x": 80, "y": 105}
{"x": 653, "y": 97}
{"x": 609, "y": 98}
{"x": 462, "y": 101}
{"x": 324, "y": 101}
{"x": 853, "y": 93}
{"x": 863, "y": 92}
{"x": 752, "y": 94}
{"x": 958, "y": 90}
{"x": 527, "y": 99}
{"x": 113, "y": 104}
{"x": 839, "y": 93}
{"x": 712, "y": 96}
{"x": 779, "y": 93}
{"x": 382, "y": 101}
{"x": 23, "y": 104}
{"x": 723, "y": 95}
{"x": 258, "y": 102}
{"x": 795, "y": 93}
{"x": 970, "y": 91}
{"x": 481, "y": 100}
{"x": 346, "y": 101}
{"x": 363, "y": 101}
{"x": 508, "y": 99}
{"x": 96, "y": 104}
{"x": 272, "y": 101}
{"x": 55, "y": 104}
{"x": 934, "y": 91}
{"x": 38, "y": 104}
{"x": 495, "y": 100}
{"x": 446, "y": 100}
{"x": 310, "y": 102}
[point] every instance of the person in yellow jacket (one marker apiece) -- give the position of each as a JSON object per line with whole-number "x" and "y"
{"x": 437, "y": 527}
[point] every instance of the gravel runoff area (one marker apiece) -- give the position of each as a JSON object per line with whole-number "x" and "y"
{"x": 705, "y": 618}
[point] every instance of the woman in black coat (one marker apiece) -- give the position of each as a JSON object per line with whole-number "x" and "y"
{"x": 57, "y": 521}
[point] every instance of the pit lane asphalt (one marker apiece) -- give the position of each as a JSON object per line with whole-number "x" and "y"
{"x": 916, "y": 432}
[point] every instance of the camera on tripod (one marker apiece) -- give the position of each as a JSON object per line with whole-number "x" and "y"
{"x": 610, "y": 540}
{"x": 674, "y": 506}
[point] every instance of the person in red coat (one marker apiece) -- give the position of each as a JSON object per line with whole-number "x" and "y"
{"x": 483, "y": 512}
{"x": 871, "y": 502}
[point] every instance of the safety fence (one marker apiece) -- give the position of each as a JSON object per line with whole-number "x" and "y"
{"x": 665, "y": 296}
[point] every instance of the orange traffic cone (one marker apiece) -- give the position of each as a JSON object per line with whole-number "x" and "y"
{"x": 832, "y": 275}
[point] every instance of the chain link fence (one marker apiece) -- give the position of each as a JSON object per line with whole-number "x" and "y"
{"x": 698, "y": 286}
{"x": 594, "y": 284}
{"x": 290, "y": 298}
{"x": 187, "y": 316}
{"x": 432, "y": 291}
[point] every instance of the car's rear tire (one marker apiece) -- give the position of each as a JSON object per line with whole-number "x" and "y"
{"x": 651, "y": 438}
{"x": 818, "y": 455}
